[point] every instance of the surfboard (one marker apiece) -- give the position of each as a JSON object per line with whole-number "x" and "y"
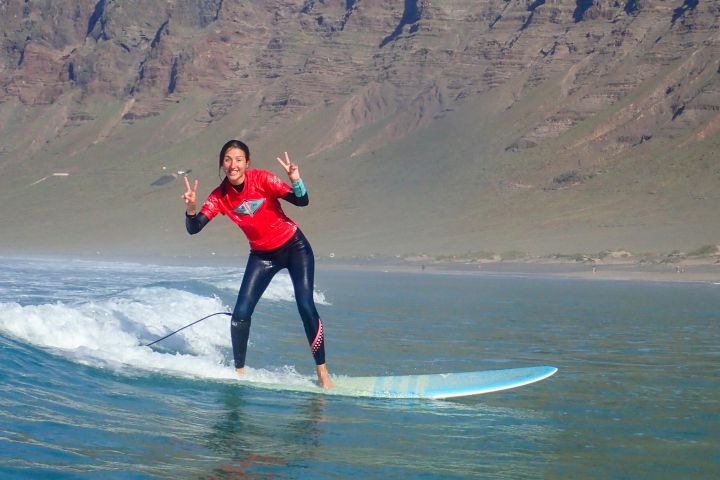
{"x": 432, "y": 386}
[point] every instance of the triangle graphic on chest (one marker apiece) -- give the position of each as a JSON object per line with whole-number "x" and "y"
{"x": 249, "y": 207}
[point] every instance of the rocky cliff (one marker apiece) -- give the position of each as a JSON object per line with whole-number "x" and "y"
{"x": 524, "y": 98}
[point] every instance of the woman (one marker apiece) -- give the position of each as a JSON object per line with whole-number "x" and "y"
{"x": 250, "y": 198}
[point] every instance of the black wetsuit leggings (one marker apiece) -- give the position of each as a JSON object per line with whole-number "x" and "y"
{"x": 297, "y": 256}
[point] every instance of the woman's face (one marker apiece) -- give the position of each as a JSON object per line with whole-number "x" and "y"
{"x": 235, "y": 164}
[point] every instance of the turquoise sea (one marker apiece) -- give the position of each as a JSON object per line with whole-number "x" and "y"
{"x": 637, "y": 395}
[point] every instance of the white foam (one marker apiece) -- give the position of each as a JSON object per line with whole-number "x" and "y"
{"x": 280, "y": 289}
{"x": 112, "y": 333}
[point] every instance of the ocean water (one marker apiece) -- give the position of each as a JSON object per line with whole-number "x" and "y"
{"x": 637, "y": 394}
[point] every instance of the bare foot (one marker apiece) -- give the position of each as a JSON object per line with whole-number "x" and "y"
{"x": 240, "y": 371}
{"x": 324, "y": 376}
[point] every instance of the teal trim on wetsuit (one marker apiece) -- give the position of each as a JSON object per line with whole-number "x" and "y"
{"x": 299, "y": 188}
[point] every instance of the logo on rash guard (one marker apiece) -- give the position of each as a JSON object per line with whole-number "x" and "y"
{"x": 249, "y": 207}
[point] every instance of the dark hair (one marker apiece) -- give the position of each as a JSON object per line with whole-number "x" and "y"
{"x": 233, "y": 144}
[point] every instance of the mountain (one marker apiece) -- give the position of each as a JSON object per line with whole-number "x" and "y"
{"x": 438, "y": 127}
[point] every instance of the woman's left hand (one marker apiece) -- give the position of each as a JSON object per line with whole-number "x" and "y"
{"x": 290, "y": 168}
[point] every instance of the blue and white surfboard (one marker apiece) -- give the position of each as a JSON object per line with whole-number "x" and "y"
{"x": 435, "y": 386}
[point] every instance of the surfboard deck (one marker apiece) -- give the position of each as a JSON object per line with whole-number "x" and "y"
{"x": 432, "y": 386}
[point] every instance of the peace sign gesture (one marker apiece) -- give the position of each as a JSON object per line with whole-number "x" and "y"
{"x": 290, "y": 168}
{"x": 190, "y": 197}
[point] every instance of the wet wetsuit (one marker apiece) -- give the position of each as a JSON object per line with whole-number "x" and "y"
{"x": 276, "y": 243}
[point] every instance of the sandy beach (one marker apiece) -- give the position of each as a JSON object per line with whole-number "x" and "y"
{"x": 702, "y": 270}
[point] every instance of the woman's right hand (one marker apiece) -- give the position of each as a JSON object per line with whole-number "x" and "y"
{"x": 190, "y": 197}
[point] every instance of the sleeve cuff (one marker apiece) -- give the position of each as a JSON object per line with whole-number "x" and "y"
{"x": 299, "y": 188}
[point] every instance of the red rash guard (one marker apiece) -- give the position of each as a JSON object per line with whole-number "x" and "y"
{"x": 255, "y": 209}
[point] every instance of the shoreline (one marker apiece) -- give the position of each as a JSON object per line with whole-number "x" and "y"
{"x": 691, "y": 272}
{"x": 697, "y": 270}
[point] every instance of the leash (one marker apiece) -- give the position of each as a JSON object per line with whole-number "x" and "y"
{"x": 186, "y": 326}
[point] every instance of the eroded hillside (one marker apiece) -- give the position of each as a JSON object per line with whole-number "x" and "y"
{"x": 499, "y": 124}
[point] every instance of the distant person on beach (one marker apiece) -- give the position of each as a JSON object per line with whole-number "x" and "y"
{"x": 250, "y": 198}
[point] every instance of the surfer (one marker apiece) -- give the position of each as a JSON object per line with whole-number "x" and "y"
{"x": 250, "y": 198}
